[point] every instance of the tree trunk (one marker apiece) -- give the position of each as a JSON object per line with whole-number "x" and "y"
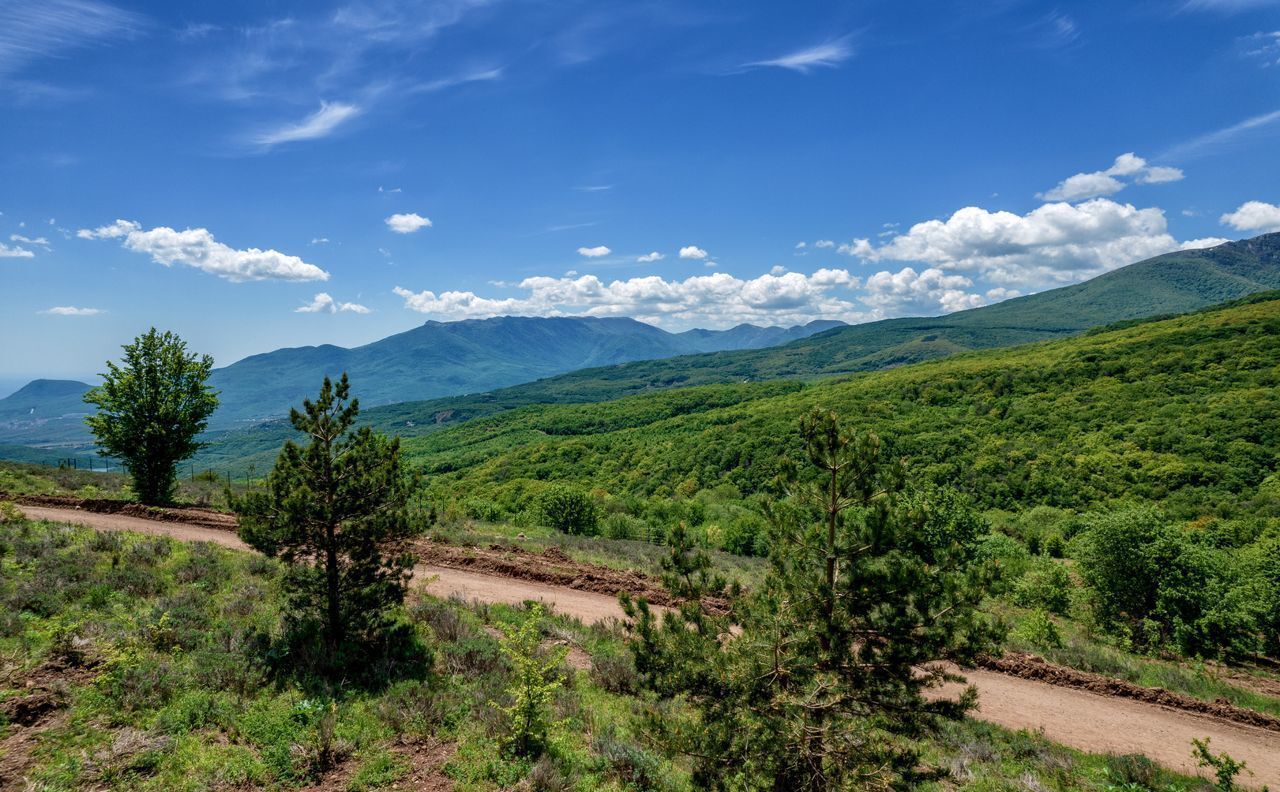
{"x": 334, "y": 628}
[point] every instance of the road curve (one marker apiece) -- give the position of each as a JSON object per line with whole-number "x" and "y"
{"x": 1082, "y": 720}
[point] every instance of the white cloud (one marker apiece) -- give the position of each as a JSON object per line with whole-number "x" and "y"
{"x": 319, "y": 241}
{"x": 824, "y": 243}
{"x": 41, "y": 241}
{"x": 649, "y": 258}
{"x": 693, "y": 252}
{"x": 1263, "y": 47}
{"x": 14, "y": 252}
{"x": 908, "y": 291}
{"x": 71, "y": 310}
{"x": 323, "y": 303}
{"x": 1212, "y": 141}
{"x": 801, "y": 245}
{"x": 1108, "y": 182}
{"x": 715, "y": 299}
{"x": 1084, "y": 185}
{"x": 1255, "y": 216}
{"x": 33, "y": 29}
{"x": 321, "y": 123}
{"x": 1202, "y": 243}
{"x": 594, "y": 252}
{"x": 389, "y": 190}
{"x": 827, "y": 55}
{"x": 407, "y": 223}
{"x": 196, "y": 247}
{"x": 1054, "y": 244}
{"x": 1000, "y": 293}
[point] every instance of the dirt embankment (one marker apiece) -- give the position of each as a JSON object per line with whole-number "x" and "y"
{"x": 187, "y": 515}
{"x": 1029, "y": 666}
{"x": 551, "y": 567}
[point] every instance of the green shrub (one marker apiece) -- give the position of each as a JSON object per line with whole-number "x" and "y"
{"x": 569, "y": 510}
{"x": 1046, "y": 584}
{"x": 621, "y": 525}
{"x": 1039, "y": 630}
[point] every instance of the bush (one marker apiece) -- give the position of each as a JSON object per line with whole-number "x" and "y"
{"x": 569, "y": 510}
{"x": 621, "y": 525}
{"x": 1040, "y": 631}
{"x": 1046, "y": 584}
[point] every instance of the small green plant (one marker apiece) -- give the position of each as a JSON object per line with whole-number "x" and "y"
{"x": 1225, "y": 768}
{"x": 535, "y": 680}
{"x": 9, "y": 513}
{"x": 1039, "y": 630}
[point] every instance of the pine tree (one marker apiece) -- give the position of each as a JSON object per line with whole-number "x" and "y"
{"x": 151, "y": 409}
{"x": 816, "y": 680}
{"x": 336, "y": 512}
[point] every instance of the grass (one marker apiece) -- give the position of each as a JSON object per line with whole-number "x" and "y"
{"x": 1084, "y": 650}
{"x": 195, "y": 488}
{"x": 159, "y": 646}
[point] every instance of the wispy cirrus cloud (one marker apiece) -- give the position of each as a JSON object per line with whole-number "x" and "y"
{"x": 827, "y": 55}
{"x": 1213, "y": 141}
{"x": 31, "y": 30}
{"x": 320, "y": 124}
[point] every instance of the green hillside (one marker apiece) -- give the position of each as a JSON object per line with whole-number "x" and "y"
{"x": 1169, "y": 284}
{"x": 1184, "y": 412}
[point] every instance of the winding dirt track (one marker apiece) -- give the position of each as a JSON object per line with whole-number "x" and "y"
{"x": 1082, "y": 720}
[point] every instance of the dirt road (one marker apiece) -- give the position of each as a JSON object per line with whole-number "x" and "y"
{"x": 1082, "y": 720}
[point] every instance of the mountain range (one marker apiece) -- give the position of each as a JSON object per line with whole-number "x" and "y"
{"x": 433, "y": 360}
{"x": 463, "y": 364}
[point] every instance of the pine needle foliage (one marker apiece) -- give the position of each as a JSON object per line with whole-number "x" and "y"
{"x": 816, "y": 681}
{"x": 336, "y": 513}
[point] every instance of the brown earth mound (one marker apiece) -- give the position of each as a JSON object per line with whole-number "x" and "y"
{"x": 189, "y": 515}
{"x": 1029, "y": 666}
{"x": 552, "y": 567}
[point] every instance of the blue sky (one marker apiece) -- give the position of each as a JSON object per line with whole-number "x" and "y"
{"x": 265, "y": 174}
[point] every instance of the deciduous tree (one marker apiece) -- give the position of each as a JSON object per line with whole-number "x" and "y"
{"x": 151, "y": 408}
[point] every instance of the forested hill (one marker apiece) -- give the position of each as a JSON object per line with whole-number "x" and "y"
{"x": 1182, "y": 412}
{"x": 1169, "y": 284}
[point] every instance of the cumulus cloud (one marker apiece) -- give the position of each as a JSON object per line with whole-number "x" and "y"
{"x": 323, "y": 303}
{"x": 824, "y": 243}
{"x": 649, "y": 258}
{"x": 407, "y": 223}
{"x": 1201, "y": 244}
{"x": 1101, "y": 183}
{"x": 693, "y": 252}
{"x": 716, "y": 299}
{"x": 196, "y": 247}
{"x": 321, "y": 123}
{"x": 594, "y": 252}
{"x": 1254, "y": 216}
{"x": 71, "y": 310}
{"x": 7, "y": 251}
{"x": 1054, "y": 244}
{"x": 908, "y": 291}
